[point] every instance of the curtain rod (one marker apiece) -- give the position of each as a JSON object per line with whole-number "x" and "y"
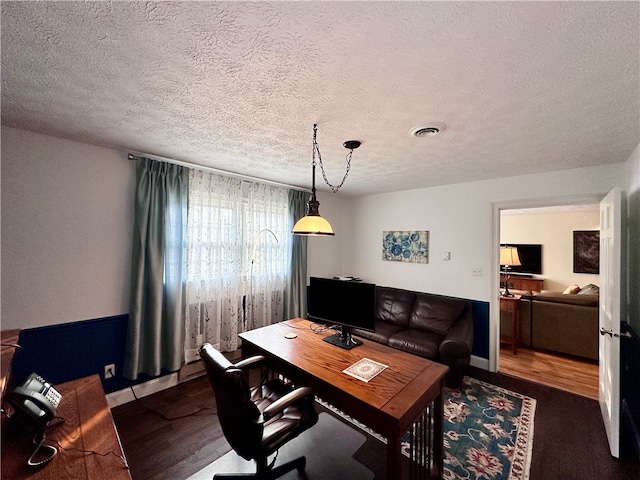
{"x": 134, "y": 156}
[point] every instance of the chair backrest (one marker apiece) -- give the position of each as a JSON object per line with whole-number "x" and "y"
{"x": 237, "y": 413}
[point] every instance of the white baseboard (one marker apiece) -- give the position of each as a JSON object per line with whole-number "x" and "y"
{"x": 142, "y": 390}
{"x": 479, "y": 362}
{"x": 190, "y": 370}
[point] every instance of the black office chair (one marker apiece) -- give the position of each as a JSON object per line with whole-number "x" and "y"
{"x": 257, "y": 421}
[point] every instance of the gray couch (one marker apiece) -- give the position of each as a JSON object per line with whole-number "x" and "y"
{"x": 558, "y": 322}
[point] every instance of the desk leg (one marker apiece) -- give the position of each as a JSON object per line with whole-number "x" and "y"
{"x": 393, "y": 456}
{"x": 438, "y": 433}
{"x": 516, "y": 328}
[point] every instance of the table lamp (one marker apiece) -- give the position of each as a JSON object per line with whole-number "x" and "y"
{"x": 508, "y": 258}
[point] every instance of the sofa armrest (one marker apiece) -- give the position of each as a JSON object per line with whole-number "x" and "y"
{"x": 455, "y": 349}
{"x": 459, "y": 341}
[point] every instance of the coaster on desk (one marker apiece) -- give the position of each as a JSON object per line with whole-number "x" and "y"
{"x": 365, "y": 369}
{"x": 290, "y": 335}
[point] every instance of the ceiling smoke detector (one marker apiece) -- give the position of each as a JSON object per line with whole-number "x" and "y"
{"x": 428, "y": 131}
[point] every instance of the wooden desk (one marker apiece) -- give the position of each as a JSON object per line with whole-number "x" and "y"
{"x": 8, "y": 339}
{"x": 390, "y": 403}
{"x": 88, "y": 426}
{"x": 510, "y": 305}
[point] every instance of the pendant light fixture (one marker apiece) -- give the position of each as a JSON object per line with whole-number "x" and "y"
{"x": 312, "y": 224}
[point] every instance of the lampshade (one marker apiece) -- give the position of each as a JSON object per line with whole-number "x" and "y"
{"x": 509, "y": 256}
{"x": 312, "y": 225}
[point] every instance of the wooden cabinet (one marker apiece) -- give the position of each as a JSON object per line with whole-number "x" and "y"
{"x": 524, "y": 283}
{"x": 510, "y": 305}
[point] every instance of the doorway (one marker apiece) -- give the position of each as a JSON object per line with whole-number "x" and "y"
{"x": 551, "y": 227}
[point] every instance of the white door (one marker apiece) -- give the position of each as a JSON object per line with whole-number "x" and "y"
{"x": 612, "y": 289}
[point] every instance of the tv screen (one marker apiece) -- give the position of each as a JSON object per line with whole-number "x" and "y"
{"x": 347, "y": 303}
{"x": 530, "y": 258}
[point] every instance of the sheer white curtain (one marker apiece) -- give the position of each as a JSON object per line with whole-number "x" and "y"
{"x": 236, "y": 270}
{"x": 270, "y": 235}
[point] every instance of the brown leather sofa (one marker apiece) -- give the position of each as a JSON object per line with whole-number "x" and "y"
{"x": 433, "y": 326}
{"x": 558, "y": 322}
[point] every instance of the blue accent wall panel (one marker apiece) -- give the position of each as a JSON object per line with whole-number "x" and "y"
{"x": 73, "y": 350}
{"x": 480, "y": 328}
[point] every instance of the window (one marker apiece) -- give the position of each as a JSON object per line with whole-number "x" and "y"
{"x": 236, "y": 269}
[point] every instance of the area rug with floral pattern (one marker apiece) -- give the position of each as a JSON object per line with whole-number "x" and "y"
{"x": 488, "y": 432}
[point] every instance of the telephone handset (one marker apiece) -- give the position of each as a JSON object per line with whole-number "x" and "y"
{"x": 37, "y": 398}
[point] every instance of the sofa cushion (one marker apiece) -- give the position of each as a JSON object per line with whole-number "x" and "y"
{"x": 590, "y": 289}
{"x": 584, "y": 300}
{"x": 422, "y": 343}
{"x": 394, "y": 305}
{"x": 435, "y": 313}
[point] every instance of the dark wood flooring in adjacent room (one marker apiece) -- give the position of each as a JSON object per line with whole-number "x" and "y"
{"x": 569, "y": 436}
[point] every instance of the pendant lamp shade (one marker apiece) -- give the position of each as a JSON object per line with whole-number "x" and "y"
{"x": 311, "y": 225}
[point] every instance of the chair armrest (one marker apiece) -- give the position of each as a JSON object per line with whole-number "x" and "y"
{"x": 250, "y": 361}
{"x": 282, "y": 403}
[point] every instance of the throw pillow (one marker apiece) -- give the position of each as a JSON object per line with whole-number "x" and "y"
{"x": 572, "y": 290}
{"x": 590, "y": 289}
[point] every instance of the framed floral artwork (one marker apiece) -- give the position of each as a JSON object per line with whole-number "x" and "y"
{"x": 405, "y": 246}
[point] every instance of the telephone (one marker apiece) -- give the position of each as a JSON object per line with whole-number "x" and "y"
{"x": 37, "y": 398}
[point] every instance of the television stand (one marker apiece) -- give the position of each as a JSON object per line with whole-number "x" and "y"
{"x": 521, "y": 283}
{"x": 343, "y": 339}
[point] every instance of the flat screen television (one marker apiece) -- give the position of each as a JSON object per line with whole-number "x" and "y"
{"x": 530, "y": 257}
{"x": 345, "y": 303}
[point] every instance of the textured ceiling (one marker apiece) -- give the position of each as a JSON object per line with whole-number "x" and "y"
{"x": 522, "y": 87}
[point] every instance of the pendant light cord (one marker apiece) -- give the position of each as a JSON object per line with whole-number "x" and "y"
{"x": 316, "y": 149}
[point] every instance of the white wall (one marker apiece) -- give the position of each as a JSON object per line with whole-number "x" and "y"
{"x": 67, "y": 223}
{"x": 554, "y": 231}
{"x": 460, "y": 218}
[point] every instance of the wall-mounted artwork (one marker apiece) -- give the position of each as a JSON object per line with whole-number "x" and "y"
{"x": 408, "y": 246}
{"x": 586, "y": 251}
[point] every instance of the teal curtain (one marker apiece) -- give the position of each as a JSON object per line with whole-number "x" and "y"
{"x": 295, "y": 304}
{"x": 155, "y": 336}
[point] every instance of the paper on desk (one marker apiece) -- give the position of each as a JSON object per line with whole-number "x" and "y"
{"x": 365, "y": 369}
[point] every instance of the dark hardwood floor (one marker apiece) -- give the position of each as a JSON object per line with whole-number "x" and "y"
{"x": 569, "y": 437}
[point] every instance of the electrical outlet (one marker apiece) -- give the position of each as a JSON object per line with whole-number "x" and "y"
{"x": 109, "y": 371}
{"x": 476, "y": 272}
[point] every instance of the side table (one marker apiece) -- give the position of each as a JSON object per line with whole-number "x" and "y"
{"x": 510, "y": 305}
